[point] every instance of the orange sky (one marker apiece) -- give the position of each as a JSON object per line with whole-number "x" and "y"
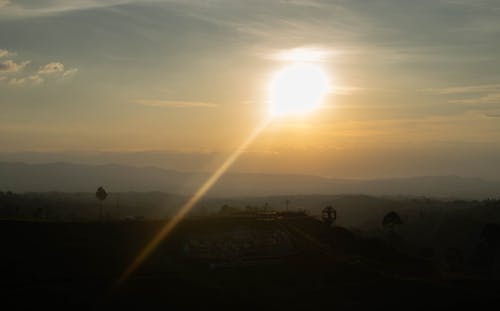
{"x": 193, "y": 77}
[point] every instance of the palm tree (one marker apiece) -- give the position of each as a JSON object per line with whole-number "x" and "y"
{"x": 101, "y": 195}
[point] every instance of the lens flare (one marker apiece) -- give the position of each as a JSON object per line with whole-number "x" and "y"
{"x": 174, "y": 221}
{"x": 297, "y": 89}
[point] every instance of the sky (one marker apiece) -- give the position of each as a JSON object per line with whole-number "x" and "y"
{"x": 415, "y": 85}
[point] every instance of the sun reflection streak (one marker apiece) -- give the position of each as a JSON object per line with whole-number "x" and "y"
{"x": 172, "y": 223}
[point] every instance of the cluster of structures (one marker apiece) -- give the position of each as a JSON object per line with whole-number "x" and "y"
{"x": 239, "y": 246}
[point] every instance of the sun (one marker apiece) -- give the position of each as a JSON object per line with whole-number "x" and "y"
{"x": 297, "y": 89}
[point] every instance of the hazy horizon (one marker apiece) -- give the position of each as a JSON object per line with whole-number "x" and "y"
{"x": 407, "y": 95}
{"x": 424, "y": 163}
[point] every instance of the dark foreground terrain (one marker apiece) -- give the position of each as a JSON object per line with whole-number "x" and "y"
{"x": 259, "y": 261}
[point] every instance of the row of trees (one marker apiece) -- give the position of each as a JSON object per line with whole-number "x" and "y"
{"x": 38, "y": 206}
{"x": 389, "y": 222}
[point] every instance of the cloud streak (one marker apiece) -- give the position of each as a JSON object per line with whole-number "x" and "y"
{"x": 465, "y": 89}
{"x": 175, "y": 103}
{"x": 471, "y": 94}
{"x": 14, "y": 74}
{"x": 490, "y": 98}
{"x": 51, "y": 68}
{"x": 9, "y": 66}
{"x": 70, "y": 72}
{"x": 29, "y": 80}
{"x": 46, "y": 7}
{"x": 4, "y": 53}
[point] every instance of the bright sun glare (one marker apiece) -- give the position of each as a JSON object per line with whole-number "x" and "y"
{"x": 297, "y": 89}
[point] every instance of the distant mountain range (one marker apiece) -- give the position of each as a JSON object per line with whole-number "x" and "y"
{"x": 69, "y": 177}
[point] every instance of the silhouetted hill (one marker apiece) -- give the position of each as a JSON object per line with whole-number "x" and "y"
{"x": 254, "y": 262}
{"x": 67, "y": 177}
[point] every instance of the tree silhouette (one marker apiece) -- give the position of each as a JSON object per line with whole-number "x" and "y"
{"x": 101, "y": 195}
{"x": 227, "y": 210}
{"x": 329, "y": 215}
{"x": 391, "y": 220}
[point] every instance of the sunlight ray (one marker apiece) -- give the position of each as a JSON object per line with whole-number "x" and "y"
{"x": 184, "y": 210}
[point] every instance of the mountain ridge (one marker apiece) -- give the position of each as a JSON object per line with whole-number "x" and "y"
{"x": 74, "y": 177}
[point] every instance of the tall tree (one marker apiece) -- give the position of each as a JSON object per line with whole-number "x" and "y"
{"x": 101, "y": 195}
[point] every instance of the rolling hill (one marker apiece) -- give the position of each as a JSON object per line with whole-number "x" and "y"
{"x": 70, "y": 177}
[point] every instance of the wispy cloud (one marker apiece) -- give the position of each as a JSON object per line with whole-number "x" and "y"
{"x": 482, "y": 98}
{"x": 29, "y": 80}
{"x": 488, "y": 98}
{"x": 14, "y": 74}
{"x": 24, "y": 8}
{"x": 4, "y": 53}
{"x": 51, "y": 68}
{"x": 8, "y": 66}
{"x": 35, "y": 79}
{"x": 70, "y": 72}
{"x": 464, "y": 89}
{"x": 175, "y": 103}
